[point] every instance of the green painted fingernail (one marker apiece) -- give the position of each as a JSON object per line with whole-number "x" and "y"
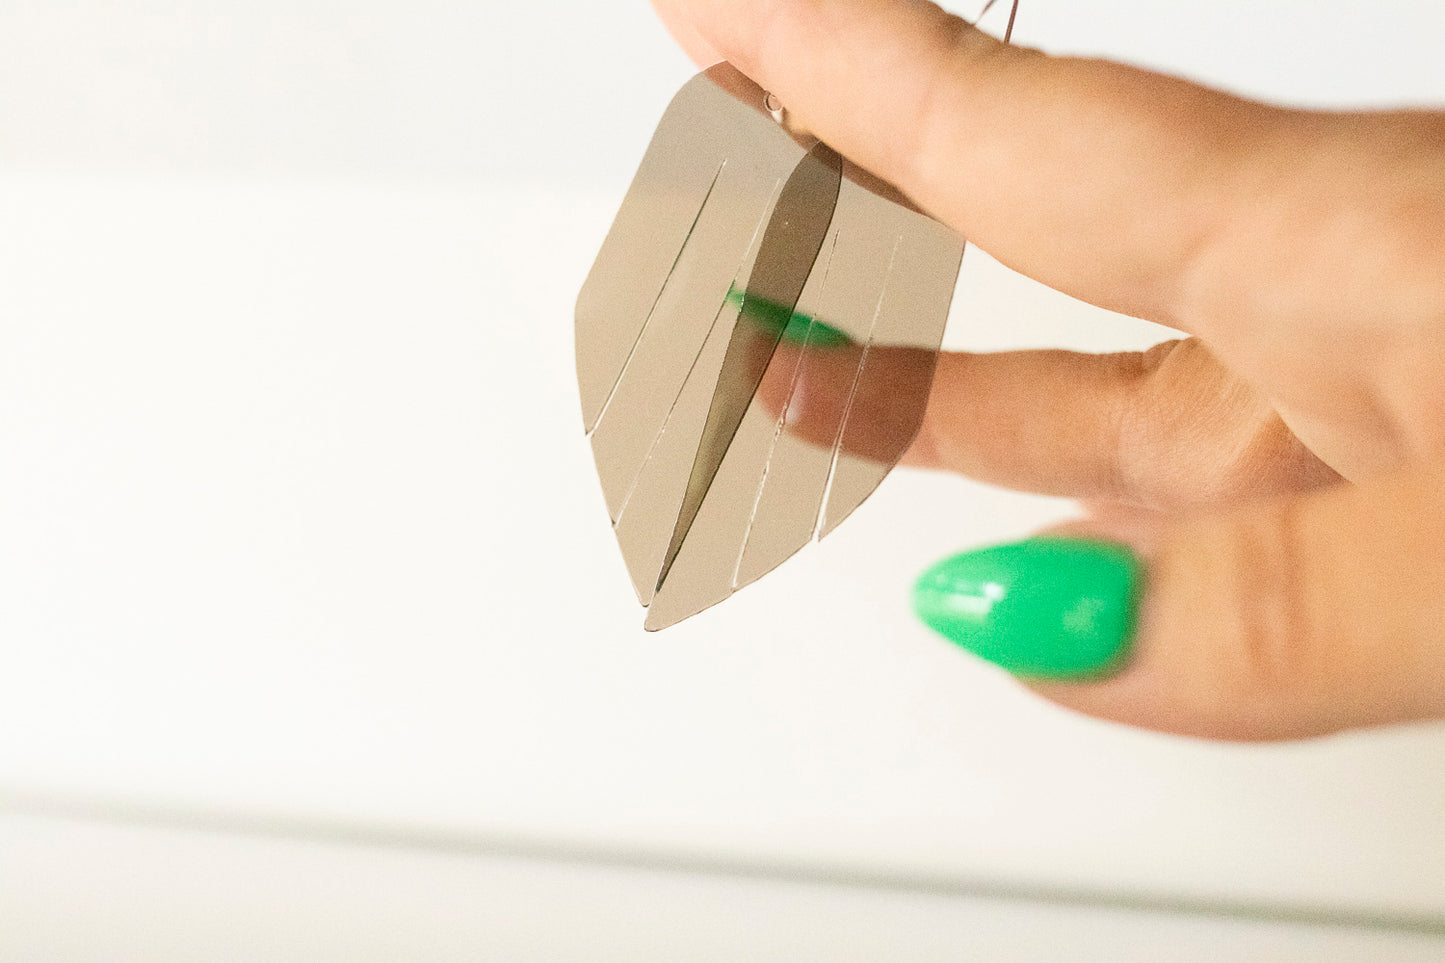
{"x": 1043, "y": 608}
{"x": 797, "y": 328}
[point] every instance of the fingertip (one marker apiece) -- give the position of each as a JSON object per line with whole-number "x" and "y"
{"x": 685, "y": 33}
{"x": 1058, "y": 609}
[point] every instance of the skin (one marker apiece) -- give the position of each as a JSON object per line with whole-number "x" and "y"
{"x": 1282, "y": 469}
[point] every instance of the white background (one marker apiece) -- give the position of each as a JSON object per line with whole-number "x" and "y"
{"x": 298, "y": 527}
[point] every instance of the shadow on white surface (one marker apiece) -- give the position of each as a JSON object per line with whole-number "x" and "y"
{"x": 73, "y": 891}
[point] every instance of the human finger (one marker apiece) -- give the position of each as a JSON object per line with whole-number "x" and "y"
{"x": 692, "y": 43}
{"x": 1289, "y": 619}
{"x": 1131, "y": 190}
{"x": 1166, "y": 429}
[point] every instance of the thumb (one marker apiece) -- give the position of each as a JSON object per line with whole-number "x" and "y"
{"x": 1280, "y": 620}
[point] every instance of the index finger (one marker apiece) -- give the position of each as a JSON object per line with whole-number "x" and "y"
{"x": 1121, "y": 187}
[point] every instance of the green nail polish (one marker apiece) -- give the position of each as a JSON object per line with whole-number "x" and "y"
{"x": 1044, "y": 608}
{"x": 797, "y": 328}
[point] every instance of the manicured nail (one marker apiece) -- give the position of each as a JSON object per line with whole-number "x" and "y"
{"x": 797, "y": 328}
{"x": 1044, "y": 608}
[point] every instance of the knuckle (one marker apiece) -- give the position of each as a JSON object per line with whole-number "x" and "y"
{"x": 1279, "y": 657}
{"x": 1235, "y": 648}
{"x": 1189, "y": 432}
{"x": 1135, "y": 423}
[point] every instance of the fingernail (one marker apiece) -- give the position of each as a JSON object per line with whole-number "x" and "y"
{"x": 799, "y": 329}
{"x": 1043, "y": 608}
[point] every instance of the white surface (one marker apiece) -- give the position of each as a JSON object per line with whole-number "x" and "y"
{"x": 566, "y": 91}
{"x": 72, "y": 892}
{"x": 296, "y": 516}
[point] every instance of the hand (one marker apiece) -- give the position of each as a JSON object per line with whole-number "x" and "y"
{"x": 1281, "y": 473}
